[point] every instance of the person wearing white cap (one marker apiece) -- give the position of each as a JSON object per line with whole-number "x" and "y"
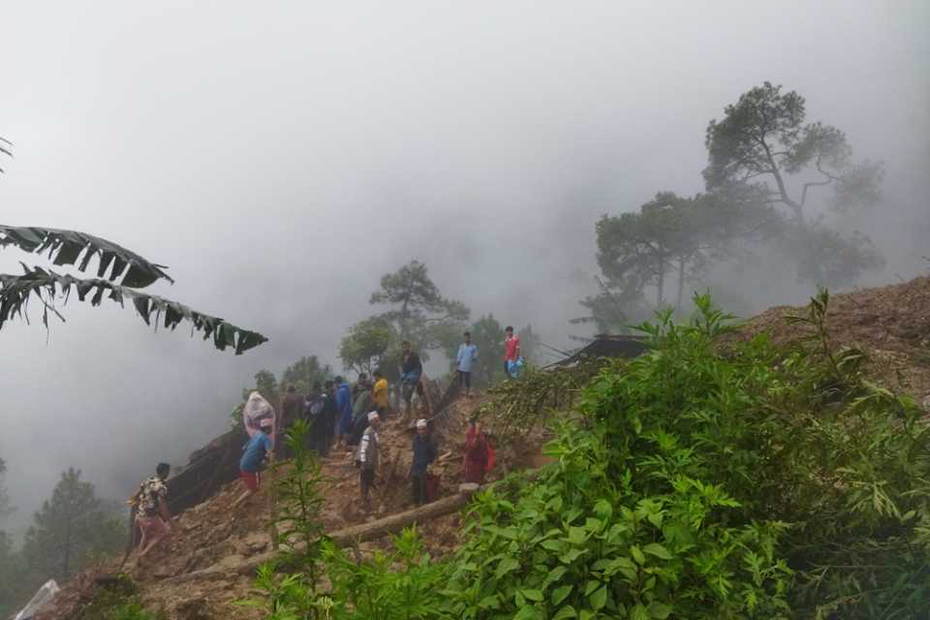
{"x": 367, "y": 458}
{"x": 424, "y": 453}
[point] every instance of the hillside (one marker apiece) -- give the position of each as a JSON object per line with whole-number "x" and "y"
{"x": 892, "y": 323}
{"x": 214, "y": 538}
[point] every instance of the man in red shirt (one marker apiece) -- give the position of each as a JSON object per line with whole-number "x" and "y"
{"x": 511, "y": 350}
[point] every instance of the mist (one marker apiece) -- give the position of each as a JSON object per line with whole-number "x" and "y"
{"x": 280, "y": 159}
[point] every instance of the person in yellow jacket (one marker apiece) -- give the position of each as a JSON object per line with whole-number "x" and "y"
{"x": 380, "y": 394}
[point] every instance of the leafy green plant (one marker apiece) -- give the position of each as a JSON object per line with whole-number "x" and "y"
{"x": 579, "y": 544}
{"x": 402, "y": 584}
{"x": 116, "y": 598}
{"x": 288, "y": 596}
{"x": 299, "y": 502}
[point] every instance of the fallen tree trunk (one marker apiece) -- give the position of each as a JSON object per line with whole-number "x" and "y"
{"x": 345, "y": 536}
{"x": 397, "y": 522}
{"x": 357, "y": 533}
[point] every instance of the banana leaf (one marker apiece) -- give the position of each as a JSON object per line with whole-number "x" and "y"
{"x": 5, "y": 148}
{"x": 70, "y": 247}
{"x": 46, "y": 285}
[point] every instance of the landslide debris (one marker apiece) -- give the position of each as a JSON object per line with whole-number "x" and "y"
{"x": 213, "y": 535}
{"x": 891, "y": 323}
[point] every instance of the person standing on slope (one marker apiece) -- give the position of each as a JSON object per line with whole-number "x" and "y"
{"x": 464, "y": 361}
{"x": 478, "y": 453}
{"x": 380, "y": 392}
{"x": 314, "y": 407}
{"x": 330, "y": 412}
{"x": 344, "y": 408}
{"x": 411, "y": 370}
{"x": 511, "y": 351}
{"x": 367, "y": 459}
{"x": 291, "y": 408}
{"x": 424, "y": 453}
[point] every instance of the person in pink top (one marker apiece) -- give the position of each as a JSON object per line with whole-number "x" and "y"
{"x": 511, "y": 349}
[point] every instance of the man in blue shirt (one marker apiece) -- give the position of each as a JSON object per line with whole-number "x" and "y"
{"x": 464, "y": 361}
{"x": 254, "y": 453}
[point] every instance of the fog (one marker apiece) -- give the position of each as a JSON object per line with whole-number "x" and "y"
{"x": 281, "y": 158}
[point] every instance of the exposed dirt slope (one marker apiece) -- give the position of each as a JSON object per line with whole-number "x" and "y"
{"x": 213, "y": 534}
{"x": 891, "y": 323}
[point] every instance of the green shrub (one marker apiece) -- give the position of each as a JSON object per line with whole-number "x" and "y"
{"x": 116, "y": 598}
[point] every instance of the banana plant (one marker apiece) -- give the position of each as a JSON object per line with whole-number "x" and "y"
{"x": 120, "y": 274}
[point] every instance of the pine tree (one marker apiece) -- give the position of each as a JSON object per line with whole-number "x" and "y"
{"x": 69, "y": 528}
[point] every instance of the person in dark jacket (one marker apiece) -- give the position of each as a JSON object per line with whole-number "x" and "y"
{"x": 291, "y": 410}
{"x": 313, "y": 413}
{"x": 411, "y": 370}
{"x": 424, "y": 453}
{"x": 330, "y": 411}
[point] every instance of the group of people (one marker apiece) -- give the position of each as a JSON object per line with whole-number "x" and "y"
{"x": 340, "y": 415}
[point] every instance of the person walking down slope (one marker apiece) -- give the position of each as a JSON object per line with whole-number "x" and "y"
{"x": 411, "y": 370}
{"x": 511, "y": 352}
{"x": 424, "y": 453}
{"x": 344, "y": 409}
{"x": 254, "y": 452}
{"x": 367, "y": 459}
{"x": 153, "y": 516}
{"x": 464, "y": 361}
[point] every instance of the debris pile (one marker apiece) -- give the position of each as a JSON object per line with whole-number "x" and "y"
{"x": 891, "y": 323}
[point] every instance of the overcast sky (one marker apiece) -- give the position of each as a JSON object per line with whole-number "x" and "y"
{"x": 279, "y": 157}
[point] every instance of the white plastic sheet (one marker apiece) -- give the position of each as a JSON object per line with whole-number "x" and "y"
{"x": 41, "y": 598}
{"x": 255, "y": 410}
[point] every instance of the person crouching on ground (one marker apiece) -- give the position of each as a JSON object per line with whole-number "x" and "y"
{"x": 256, "y": 448}
{"x": 153, "y": 517}
{"x": 367, "y": 459}
{"x": 424, "y": 453}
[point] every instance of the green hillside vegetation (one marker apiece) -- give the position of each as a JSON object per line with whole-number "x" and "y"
{"x": 697, "y": 481}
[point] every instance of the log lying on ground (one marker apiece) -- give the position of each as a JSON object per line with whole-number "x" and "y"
{"x": 397, "y": 522}
{"x": 346, "y": 536}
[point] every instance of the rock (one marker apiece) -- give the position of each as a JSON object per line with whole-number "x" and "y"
{"x": 256, "y": 542}
{"x": 192, "y": 609}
